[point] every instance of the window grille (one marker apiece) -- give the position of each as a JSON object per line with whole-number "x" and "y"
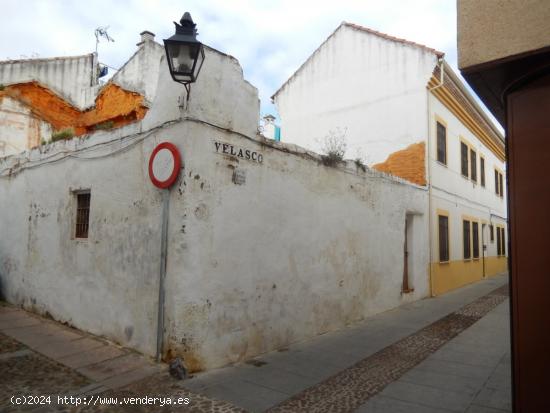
{"x": 82, "y": 214}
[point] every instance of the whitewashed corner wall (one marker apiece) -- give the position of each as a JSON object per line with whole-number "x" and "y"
{"x": 295, "y": 250}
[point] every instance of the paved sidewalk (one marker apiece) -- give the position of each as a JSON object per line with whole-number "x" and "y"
{"x": 449, "y": 353}
{"x": 311, "y": 373}
{"x": 471, "y": 373}
{"x": 31, "y": 342}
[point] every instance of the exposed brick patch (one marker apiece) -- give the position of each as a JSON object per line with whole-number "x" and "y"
{"x": 352, "y": 387}
{"x": 407, "y": 163}
{"x": 113, "y": 104}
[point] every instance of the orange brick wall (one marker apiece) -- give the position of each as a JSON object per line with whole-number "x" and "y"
{"x": 407, "y": 163}
{"x": 112, "y": 104}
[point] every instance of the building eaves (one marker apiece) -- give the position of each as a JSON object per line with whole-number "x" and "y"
{"x": 468, "y": 95}
{"x": 394, "y": 39}
{"x": 365, "y": 30}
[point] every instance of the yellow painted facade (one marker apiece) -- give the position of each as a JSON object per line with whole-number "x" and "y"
{"x": 459, "y": 194}
{"x": 455, "y": 274}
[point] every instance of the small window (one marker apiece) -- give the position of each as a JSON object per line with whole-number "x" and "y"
{"x": 443, "y": 238}
{"x": 466, "y": 239}
{"x": 473, "y": 165}
{"x": 464, "y": 159}
{"x": 499, "y": 184}
{"x": 498, "y": 241}
{"x": 82, "y": 214}
{"x": 503, "y": 242}
{"x": 441, "y": 143}
{"x": 475, "y": 239}
{"x": 482, "y": 170}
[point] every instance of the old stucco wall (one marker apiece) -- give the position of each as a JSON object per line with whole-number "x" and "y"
{"x": 297, "y": 249}
{"x": 74, "y": 78}
{"x": 20, "y": 127}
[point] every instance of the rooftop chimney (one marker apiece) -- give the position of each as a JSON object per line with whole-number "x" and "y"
{"x": 146, "y": 36}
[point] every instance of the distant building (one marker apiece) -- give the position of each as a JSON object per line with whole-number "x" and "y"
{"x": 402, "y": 106}
{"x": 269, "y": 129}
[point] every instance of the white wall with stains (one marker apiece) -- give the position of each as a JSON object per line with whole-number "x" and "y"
{"x": 296, "y": 249}
{"x": 20, "y": 128}
{"x": 368, "y": 88}
{"x": 72, "y": 77}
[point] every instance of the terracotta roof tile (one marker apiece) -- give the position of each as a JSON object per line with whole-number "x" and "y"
{"x": 392, "y": 38}
{"x": 366, "y": 30}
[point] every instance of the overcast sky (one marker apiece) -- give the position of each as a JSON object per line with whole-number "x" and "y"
{"x": 271, "y": 39}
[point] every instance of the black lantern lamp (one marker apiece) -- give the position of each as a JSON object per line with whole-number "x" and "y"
{"x": 184, "y": 52}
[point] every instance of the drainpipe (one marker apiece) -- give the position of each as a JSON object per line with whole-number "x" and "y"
{"x": 441, "y": 63}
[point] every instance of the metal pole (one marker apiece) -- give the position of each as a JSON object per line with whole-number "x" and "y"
{"x": 163, "y": 251}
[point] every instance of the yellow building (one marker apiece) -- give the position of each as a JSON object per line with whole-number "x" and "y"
{"x": 466, "y": 173}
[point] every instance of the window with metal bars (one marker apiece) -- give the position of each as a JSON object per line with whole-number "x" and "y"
{"x": 475, "y": 239}
{"x": 501, "y": 242}
{"x": 82, "y": 214}
{"x": 464, "y": 159}
{"x": 473, "y": 165}
{"x": 441, "y": 143}
{"x": 443, "y": 238}
{"x": 466, "y": 239}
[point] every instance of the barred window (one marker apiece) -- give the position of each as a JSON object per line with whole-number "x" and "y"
{"x": 82, "y": 214}
{"x": 475, "y": 239}
{"x": 443, "y": 238}
{"x": 441, "y": 143}
{"x": 473, "y": 165}
{"x": 466, "y": 239}
{"x": 499, "y": 184}
{"x": 503, "y": 242}
{"x": 464, "y": 159}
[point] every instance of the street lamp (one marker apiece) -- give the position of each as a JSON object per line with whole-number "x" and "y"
{"x": 184, "y": 52}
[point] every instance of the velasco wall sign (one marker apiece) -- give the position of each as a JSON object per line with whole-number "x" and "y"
{"x": 164, "y": 165}
{"x": 243, "y": 153}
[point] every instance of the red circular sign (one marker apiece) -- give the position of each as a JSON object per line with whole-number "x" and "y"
{"x": 164, "y": 165}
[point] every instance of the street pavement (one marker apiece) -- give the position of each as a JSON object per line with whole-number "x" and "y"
{"x": 444, "y": 354}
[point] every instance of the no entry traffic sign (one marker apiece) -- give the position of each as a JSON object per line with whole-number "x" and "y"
{"x": 164, "y": 165}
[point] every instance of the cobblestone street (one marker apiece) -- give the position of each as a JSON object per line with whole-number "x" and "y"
{"x": 429, "y": 356}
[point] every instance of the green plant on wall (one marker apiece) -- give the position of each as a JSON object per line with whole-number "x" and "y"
{"x": 105, "y": 125}
{"x": 63, "y": 134}
{"x": 334, "y": 146}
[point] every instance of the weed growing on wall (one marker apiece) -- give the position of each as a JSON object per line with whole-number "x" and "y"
{"x": 360, "y": 160}
{"x": 105, "y": 125}
{"x": 334, "y": 146}
{"x": 63, "y": 134}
